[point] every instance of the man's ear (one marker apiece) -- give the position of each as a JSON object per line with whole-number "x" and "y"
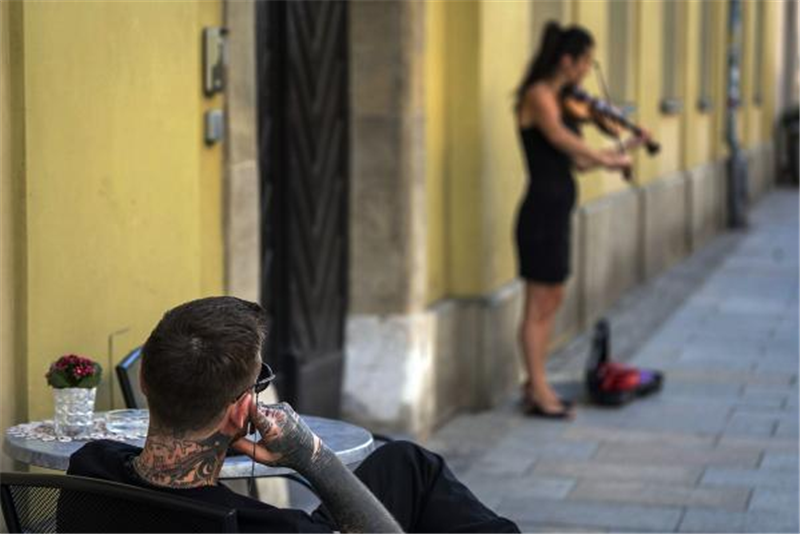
{"x": 240, "y": 410}
{"x": 234, "y": 422}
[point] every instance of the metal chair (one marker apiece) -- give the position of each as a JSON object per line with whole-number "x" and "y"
{"x": 67, "y": 503}
{"x": 128, "y": 376}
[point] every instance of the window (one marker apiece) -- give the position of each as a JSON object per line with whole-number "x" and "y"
{"x": 706, "y": 63}
{"x": 543, "y": 12}
{"x": 621, "y": 42}
{"x": 758, "y": 58}
{"x": 673, "y": 57}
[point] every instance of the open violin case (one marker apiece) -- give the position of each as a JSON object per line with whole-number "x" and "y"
{"x": 612, "y": 384}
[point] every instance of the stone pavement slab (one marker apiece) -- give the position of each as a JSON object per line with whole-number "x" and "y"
{"x": 492, "y": 488}
{"x": 780, "y": 462}
{"x": 661, "y": 494}
{"x": 638, "y": 437}
{"x": 699, "y": 520}
{"x": 751, "y": 478}
{"x": 596, "y": 469}
{"x": 715, "y": 451}
{"x": 772, "y": 499}
{"x": 774, "y": 444}
{"x": 586, "y": 514}
{"x": 658, "y": 454}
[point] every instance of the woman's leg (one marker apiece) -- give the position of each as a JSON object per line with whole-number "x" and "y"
{"x": 541, "y": 305}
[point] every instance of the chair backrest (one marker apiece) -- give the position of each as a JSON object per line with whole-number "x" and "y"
{"x": 128, "y": 376}
{"x": 67, "y": 503}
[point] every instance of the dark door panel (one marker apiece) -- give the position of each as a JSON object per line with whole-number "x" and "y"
{"x": 303, "y": 156}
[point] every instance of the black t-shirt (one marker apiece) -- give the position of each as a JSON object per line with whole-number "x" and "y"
{"x": 110, "y": 460}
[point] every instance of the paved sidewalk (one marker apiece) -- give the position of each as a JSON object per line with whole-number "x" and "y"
{"x": 716, "y": 450}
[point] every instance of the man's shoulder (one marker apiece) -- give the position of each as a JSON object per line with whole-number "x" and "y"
{"x": 107, "y": 445}
{"x": 102, "y": 459}
{"x": 104, "y": 447}
{"x": 109, "y": 460}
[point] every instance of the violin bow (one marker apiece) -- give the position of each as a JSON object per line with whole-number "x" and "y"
{"x": 599, "y": 72}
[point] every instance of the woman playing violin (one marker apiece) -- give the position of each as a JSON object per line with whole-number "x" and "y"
{"x": 553, "y": 147}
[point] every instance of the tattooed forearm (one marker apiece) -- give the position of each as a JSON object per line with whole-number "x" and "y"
{"x": 182, "y": 463}
{"x": 294, "y": 445}
{"x": 352, "y": 504}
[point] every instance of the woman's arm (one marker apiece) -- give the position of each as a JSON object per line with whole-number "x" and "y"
{"x": 547, "y": 115}
{"x": 583, "y": 164}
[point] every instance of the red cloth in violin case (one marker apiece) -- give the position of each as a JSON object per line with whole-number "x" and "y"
{"x": 613, "y": 384}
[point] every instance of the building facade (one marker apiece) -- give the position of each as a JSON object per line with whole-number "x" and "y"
{"x": 454, "y": 179}
{"x": 114, "y": 206}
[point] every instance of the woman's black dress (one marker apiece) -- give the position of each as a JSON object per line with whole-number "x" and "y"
{"x": 543, "y": 221}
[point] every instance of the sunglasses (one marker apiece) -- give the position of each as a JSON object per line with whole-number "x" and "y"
{"x": 265, "y": 378}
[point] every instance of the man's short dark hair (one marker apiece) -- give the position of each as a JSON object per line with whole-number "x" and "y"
{"x": 199, "y": 357}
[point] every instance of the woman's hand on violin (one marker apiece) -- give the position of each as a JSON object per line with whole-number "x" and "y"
{"x": 616, "y": 161}
{"x": 638, "y": 140}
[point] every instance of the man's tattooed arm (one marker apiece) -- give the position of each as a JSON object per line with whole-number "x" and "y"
{"x": 287, "y": 441}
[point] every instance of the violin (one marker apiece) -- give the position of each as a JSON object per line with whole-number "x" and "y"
{"x": 580, "y": 106}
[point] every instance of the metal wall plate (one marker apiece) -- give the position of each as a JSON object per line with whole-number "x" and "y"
{"x": 213, "y": 60}
{"x": 214, "y": 126}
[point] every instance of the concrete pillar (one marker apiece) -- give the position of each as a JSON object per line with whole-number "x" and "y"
{"x": 242, "y": 201}
{"x": 389, "y": 337}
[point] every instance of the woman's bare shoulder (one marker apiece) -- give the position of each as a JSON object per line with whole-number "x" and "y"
{"x": 539, "y": 101}
{"x": 539, "y": 91}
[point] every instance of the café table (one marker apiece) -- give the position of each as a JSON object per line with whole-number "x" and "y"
{"x": 36, "y": 444}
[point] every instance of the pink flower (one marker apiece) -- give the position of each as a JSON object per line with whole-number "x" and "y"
{"x": 70, "y": 370}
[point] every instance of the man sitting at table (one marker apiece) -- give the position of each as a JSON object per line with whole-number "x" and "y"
{"x": 200, "y": 370}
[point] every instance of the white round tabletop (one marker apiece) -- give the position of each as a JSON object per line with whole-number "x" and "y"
{"x": 350, "y": 442}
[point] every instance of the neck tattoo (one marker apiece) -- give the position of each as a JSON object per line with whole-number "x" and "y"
{"x": 181, "y": 463}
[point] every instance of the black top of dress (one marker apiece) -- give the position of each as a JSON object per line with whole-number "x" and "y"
{"x": 544, "y": 160}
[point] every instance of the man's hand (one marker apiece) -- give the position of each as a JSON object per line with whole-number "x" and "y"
{"x": 286, "y": 440}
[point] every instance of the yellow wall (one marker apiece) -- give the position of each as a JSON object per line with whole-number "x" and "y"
{"x": 665, "y": 128}
{"x": 462, "y": 149}
{"x": 12, "y": 218}
{"x": 435, "y": 105}
{"x": 720, "y": 58}
{"x": 476, "y": 53}
{"x": 123, "y": 198}
{"x": 697, "y": 126}
{"x": 8, "y": 408}
{"x": 210, "y": 212}
{"x": 752, "y": 113}
{"x": 474, "y": 170}
{"x": 772, "y": 30}
{"x": 505, "y": 53}
{"x": 594, "y": 17}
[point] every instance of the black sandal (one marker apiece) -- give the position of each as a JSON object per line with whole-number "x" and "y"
{"x": 533, "y": 409}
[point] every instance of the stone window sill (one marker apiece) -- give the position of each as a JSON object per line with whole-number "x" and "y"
{"x": 671, "y": 106}
{"x": 705, "y": 105}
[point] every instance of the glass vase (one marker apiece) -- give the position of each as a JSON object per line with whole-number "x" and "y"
{"x": 74, "y": 410}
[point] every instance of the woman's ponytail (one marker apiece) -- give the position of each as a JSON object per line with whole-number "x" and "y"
{"x": 548, "y": 50}
{"x": 556, "y": 42}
